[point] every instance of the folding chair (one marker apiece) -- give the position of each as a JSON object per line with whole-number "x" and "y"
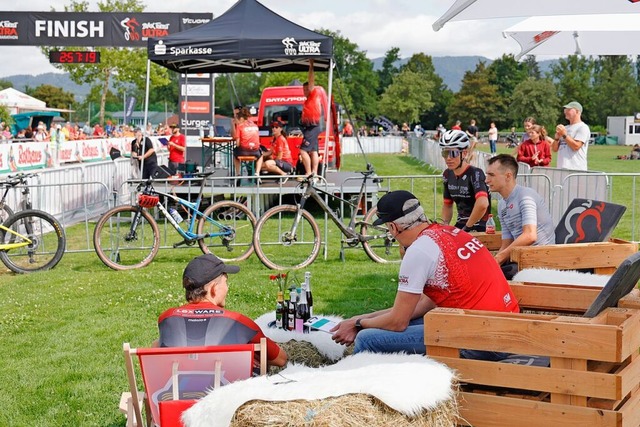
{"x": 176, "y": 377}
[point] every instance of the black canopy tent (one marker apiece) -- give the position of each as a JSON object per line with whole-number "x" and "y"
{"x": 248, "y": 37}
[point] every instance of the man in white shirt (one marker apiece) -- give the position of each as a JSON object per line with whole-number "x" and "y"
{"x": 572, "y": 141}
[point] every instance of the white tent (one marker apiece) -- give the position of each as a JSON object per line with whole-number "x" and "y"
{"x": 17, "y": 102}
{"x": 607, "y": 34}
{"x": 462, "y": 10}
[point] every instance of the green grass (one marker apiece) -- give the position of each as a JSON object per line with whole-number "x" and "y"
{"x": 62, "y": 331}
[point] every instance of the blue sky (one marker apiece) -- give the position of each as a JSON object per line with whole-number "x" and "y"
{"x": 374, "y": 25}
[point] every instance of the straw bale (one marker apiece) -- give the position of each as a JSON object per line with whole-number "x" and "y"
{"x": 352, "y": 410}
{"x": 305, "y": 353}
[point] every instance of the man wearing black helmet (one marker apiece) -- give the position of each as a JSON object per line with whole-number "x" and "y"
{"x": 464, "y": 184}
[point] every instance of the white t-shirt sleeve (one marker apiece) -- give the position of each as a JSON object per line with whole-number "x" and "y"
{"x": 582, "y": 133}
{"x": 418, "y": 265}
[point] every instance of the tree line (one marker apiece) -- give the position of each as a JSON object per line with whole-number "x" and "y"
{"x": 504, "y": 91}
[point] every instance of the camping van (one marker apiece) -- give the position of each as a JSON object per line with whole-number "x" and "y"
{"x": 284, "y": 103}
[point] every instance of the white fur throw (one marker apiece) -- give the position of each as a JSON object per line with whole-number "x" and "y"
{"x": 321, "y": 340}
{"x": 560, "y": 277}
{"x": 407, "y": 383}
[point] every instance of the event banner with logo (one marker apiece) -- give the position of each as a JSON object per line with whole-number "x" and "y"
{"x": 196, "y": 103}
{"x": 92, "y": 28}
{"x": 37, "y": 155}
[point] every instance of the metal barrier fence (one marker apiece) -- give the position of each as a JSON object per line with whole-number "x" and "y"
{"x": 78, "y": 194}
{"x": 558, "y": 186}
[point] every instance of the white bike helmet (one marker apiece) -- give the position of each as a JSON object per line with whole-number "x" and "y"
{"x": 454, "y": 139}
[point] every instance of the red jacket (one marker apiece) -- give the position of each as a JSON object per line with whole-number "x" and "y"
{"x": 528, "y": 149}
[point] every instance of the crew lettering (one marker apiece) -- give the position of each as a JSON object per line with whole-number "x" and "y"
{"x": 469, "y": 248}
{"x": 66, "y": 29}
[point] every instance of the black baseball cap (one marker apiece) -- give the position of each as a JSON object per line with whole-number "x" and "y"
{"x": 390, "y": 206}
{"x": 204, "y": 268}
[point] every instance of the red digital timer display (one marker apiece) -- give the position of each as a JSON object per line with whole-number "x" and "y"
{"x": 74, "y": 57}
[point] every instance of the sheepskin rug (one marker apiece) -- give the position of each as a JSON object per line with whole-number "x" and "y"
{"x": 408, "y": 384}
{"x": 560, "y": 277}
{"x": 321, "y": 340}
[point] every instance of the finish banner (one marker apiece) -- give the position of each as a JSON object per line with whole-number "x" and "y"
{"x": 115, "y": 29}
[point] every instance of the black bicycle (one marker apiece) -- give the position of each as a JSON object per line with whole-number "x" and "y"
{"x": 288, "y": 236}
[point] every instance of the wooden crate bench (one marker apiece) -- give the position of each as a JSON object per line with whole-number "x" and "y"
{"x": 603, "y": 257}
{"x": 594, "y": 372}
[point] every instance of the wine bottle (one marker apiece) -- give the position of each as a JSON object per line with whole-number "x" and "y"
{"x": 285, "y": 314}
{"x": 279, "y": 309}
{"x": 302, "y": 312}
{"x": 291, "y": 315}
{"x": 307, "y": 288}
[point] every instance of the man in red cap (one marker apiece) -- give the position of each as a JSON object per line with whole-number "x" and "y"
{"x": 204, "y": 320}
{"x": 443, "y": 266}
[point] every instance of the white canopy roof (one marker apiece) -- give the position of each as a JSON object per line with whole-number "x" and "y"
{"x": 14, "y": 99}
{"x": 606, "y": 34}
{"x": 462, "y": 10}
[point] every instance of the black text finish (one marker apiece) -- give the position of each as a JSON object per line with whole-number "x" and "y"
{"x": 74, "y": 57}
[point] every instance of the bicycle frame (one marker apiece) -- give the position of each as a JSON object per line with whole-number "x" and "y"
{"x": 194, "y": 212}
{"x": 347, "y": 230}
{"x": 9, "y": 246}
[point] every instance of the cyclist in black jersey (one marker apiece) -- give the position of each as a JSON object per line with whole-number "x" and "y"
{"x": 464, "y": 185}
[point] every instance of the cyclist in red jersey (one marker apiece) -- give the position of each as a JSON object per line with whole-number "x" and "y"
{"x": 443, "y": 266}
{"x": 310, "y": 120}
{"x": 205, "y": 320}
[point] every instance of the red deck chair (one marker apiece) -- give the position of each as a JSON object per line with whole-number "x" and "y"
{"x": 176, "y": 377}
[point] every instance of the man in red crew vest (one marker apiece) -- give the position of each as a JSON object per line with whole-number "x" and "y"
{"x": 310, "y": 121}
{"x": 177, "y": 147}
{"x": 443, "y": 266}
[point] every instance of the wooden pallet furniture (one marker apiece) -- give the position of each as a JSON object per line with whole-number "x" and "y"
{"x": 594, "y": 374}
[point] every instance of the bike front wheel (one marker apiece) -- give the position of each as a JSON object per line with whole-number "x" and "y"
{"x": 383, "y": 248}
{"x": 124, "y": 239}
{"x": 32, "y": 241}
{"x": 281, "y": 243}
{"x": 230, "y": 226}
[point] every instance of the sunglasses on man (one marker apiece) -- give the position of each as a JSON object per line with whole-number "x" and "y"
{"x": 451, "y": 154}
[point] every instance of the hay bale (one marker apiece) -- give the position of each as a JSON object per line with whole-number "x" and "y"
{"x": 349, "y": 410}
{"x": 303, "y": 352}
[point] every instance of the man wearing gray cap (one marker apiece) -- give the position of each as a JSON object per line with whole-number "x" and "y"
{"x": 572, "y": 141}
{"x": 443, "y": 266}
{"x": 204, "y": 320}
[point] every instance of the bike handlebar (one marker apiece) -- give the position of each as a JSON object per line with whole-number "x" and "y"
{"x": 19, "y": 178}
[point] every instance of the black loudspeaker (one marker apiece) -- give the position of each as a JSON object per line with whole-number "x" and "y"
{"x": 114, "y": 153}
{"x": 162, "y": 172}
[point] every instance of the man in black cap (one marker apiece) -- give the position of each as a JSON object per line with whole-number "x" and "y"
{"x": 443, "y": 266}
{"x": 204, "y": 320}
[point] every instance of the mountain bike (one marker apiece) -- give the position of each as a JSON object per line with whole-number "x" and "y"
{"x": 288, "y": 236}
{"x": 127, "y": 237}
{"x": 10, "y": 182}
{"x": 31, "y": 240}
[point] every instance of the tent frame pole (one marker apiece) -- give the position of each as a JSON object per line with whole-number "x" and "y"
{"x": 325, "y": 160}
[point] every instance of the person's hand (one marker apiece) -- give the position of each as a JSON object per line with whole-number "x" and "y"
{"x": 345, "y": 332}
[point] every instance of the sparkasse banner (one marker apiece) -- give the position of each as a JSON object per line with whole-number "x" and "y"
{"x": 118, "y": 29}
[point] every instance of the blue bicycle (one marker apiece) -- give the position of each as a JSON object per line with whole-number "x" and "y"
{"x": 128, "y": 237}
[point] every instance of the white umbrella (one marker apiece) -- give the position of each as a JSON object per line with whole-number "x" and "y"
{"x": 462, "y": 10}
{"x": 608, "y": 34}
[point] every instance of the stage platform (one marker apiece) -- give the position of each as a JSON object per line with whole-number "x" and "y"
{"x": 262, "y": 195}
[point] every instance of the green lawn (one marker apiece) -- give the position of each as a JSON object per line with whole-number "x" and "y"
{"x": 62, "y": 331}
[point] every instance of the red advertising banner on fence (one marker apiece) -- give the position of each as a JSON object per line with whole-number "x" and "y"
{"x": 118, "y": 29}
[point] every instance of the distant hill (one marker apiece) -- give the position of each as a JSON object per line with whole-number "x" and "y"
{"x": 450, "y": 68}
{"x": 61, "y": 80}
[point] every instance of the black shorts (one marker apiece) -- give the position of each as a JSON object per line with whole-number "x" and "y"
{"x": 284, "y": 166}
{"x": 310, "y": 138}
